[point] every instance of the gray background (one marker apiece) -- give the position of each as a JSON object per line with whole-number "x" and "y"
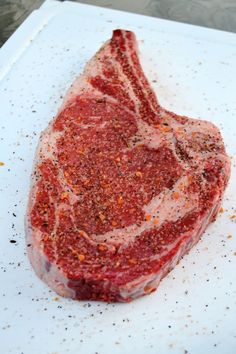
{"x": 220, "y": 14}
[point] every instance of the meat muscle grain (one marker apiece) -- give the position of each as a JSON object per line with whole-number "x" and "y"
{"x": 121, "y": 188}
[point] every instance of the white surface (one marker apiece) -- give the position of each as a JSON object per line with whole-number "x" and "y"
{"x": 193, "y": 310}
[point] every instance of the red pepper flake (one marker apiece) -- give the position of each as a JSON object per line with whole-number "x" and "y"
{"x": 133, "y": 261}
{"x": 64, "y": 195}
{"x": 86, "y": 182}
{"x": 105, "y": 185}
{"x": 102, "y": 248}
{"x": 180, "y": 130}
{"x": 176, "y": 195}
{"x": 148, "y": 289}
{"x": 138, "y": 174}
{"x": 120, "y": 200}
{"x": 2, "y": 163}
{"x": 155, "y": 221}
{"x": 45, "y": 238}
{"x": 114, "y": 223}
{"x": 190, "y": 178}
{"x": 82, "y": 233}
{"x": 194, "y": 134}
{"x": 76, "y": 188}
{"x": 67, "y": 176}
{"x": 43, "y": 208}
{"x": 81, "y": 257}
{"x": 221, "y": 210}
{"x": 163, "y": 128}
{"x": 63, "y": 157}
{"x": 132, "y": 210}
{"x": 148, "y": 217}
{"x": 187, "y": 205}
{"x": 102, "y": 217}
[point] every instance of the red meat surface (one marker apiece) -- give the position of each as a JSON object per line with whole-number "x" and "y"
{"x": 121, "y": 188}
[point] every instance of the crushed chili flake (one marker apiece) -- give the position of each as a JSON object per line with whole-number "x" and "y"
{"x": 190, "y": 178}
{"x": 82, "y": 233}
{"x": 105, "y": 185}
{"x": 86, "y": 182}
{"x": 163, "y": 128}
{"x": 148, "y": 217}
{"x": 176, "y": 195}
{"x": 187, "y": 205}
{"x": 81, "y": 257}
{"x": 155, "y": 222}
{"x": 114, "y": 223}
{"x": 180, "y": 130}
{"x": 221, "y": 210}
{"x": 45, "y": 237}
{"x": 138, "y": 174}
{"x": 64, "y": 195}
{"x": 76, "y": 188}
{"x": 194, "y": 134}
{"x": 102, "y": 217}
{"x": 148, "y": 289}
{"x": 120, "y": 200}
{"x": 102, "y": 248}
{"x": 133, "y": 261}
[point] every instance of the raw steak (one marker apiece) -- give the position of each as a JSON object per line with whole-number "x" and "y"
{"x": 121, "y": 188}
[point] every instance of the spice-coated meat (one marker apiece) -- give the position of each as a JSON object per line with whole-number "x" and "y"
{"x": 121, "y": 188}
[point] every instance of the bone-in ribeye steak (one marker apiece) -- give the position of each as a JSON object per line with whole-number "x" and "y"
{"x": 121, "y": 188}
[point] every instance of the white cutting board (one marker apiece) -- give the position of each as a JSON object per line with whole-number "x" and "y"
{"x": 193, "y": 310}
